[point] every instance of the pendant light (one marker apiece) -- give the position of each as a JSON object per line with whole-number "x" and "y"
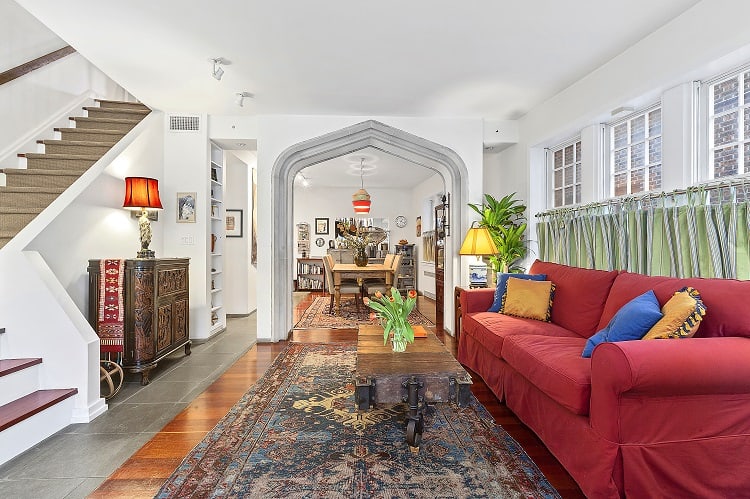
{"x": 361, "y": 198}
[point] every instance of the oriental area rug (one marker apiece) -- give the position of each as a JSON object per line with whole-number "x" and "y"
{"x": 317, "y": 316}
{"x": 296, "y": 433}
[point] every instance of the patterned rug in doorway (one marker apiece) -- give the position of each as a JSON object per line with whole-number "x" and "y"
{"x": 296, "y": 433}
{"x": 317, "y": 316}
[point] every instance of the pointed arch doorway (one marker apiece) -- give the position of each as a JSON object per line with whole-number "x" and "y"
{"x": 422, "y": 152}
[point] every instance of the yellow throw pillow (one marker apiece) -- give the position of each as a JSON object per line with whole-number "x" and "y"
{"x": 529, "y": 299}
{"x": 682, "y": 316}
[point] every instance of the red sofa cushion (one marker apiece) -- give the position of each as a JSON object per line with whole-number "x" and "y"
{"x": 580, "y": 295}
{"x": 554, "y": 366}
{"x": 491, "y": 328}
{"x": 727, "y": 310}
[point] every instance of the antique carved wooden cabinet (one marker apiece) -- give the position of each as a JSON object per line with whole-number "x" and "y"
{"x": 156, "y": 310}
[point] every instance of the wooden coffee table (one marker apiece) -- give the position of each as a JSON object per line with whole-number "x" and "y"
{"x": 425, "y": 373}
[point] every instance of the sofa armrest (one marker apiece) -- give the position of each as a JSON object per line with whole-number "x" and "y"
{"x": 476, "y": 300}
{"x": 686, "y": 386}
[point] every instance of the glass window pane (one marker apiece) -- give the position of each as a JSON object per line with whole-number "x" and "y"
{"x": 637, "y": 155}
{"x": 654, "y": 122}
{"x": 747, "y": 158}
{"x": 654, "y": 177}
{"x": 578, "y": 151}
{"x": 569, "y": 155}
{"x": 558, "y": 178}
{"x": 747, "y": 123}
{"x": 568, "y": 176}
{"x": 621, "y": 184}
{"x": 578, "y": 193}
{"x": 558, "y": 197}
{"x": 654, "y": 150}
{"x": 746, "y": 77}
{"x": 726, "y": 95}
{"x": 638, "y": 128}
{"x": 621, "y": 135}
{"x": 569, "y": 195}
{"x": 725, "y": 128}
{"x": 725, "y": 162}
{"x": 558, "y": 159}
{"x": 621, "y": 160}
{"x": 578, "y": 173}
{"x": 637, "y": 179}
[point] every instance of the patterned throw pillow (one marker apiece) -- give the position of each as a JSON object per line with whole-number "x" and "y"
{"x": 683, "y": 314}
{"x": 529, "y": 299}
{"x": 502, "y": 285}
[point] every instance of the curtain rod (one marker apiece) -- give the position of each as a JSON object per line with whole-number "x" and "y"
{"x": 708, "y": 186}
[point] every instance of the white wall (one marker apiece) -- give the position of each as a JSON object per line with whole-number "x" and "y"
{"x": 708, "y": 39}
{"x": 42, "y": 99}
{"x": 239, "y": 281}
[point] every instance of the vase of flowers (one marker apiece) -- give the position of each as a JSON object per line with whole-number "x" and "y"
{"x": 359, "y": 238}
{"x": 393, "y": 312}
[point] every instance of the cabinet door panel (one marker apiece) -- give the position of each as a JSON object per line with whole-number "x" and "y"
{"x": 164, "y": 327}
{"x": 180, "y": 319}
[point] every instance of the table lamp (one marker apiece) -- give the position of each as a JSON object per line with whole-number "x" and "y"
{"x": 142, "y": 193}
{"x": 478, "y": 242}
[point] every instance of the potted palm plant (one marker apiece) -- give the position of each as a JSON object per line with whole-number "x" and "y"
{"x": 505, "y": 219}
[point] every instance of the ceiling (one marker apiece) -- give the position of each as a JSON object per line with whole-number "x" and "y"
{"x": 492, "y": 59}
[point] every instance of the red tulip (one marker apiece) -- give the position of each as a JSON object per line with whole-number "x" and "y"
{"x": 412, "y": 293}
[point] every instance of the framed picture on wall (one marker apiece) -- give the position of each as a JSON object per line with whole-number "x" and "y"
{"x": 186, "y": 207}
{"x": 321, "y": 226}
{"x": 234, "y": 223}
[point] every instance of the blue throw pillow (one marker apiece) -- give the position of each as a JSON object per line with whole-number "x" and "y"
{"x": 631, "y": 322}
{"x": 502, "y": 286}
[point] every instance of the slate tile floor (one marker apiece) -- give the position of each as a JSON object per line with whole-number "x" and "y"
{"x": 73, "y": 462}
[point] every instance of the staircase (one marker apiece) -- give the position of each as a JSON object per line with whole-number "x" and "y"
{"x": 30, "y": 411}
{"x": 44, "y": 175}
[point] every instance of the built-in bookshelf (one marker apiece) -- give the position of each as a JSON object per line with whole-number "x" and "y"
{"x": 310, "y": 274}
{"x": 406, "y": 275}
{"x": 216, "y": 239}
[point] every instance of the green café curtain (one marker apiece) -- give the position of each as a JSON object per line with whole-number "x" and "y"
{"x": 699, "y": 232}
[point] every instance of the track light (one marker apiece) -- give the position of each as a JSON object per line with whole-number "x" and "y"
{"x": 240, "y": 98}
{"x": 217, "y": 71}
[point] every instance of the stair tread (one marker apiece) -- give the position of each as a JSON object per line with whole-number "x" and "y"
{"x": 77, "y": 143}
{"x": 32, "y": 190}
{"x": 9, "y": 366}
{"x": 40, "y": 155}
{"x": 121, "y": 102}
{"x": 17, "y": 210}
{"x": 114, "y": 110}
{"x": 23, "y": 171}
{"x": 104, "y": 120}
{"x": 33, "y": 403}
{"x": 85, "y": 130}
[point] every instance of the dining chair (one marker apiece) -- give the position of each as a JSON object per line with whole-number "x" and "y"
{"x": 348, "y": 286}
{"x": 370, "y": 286}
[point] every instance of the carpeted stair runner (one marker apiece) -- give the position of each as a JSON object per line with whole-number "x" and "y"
{"x": 44, "y": 175}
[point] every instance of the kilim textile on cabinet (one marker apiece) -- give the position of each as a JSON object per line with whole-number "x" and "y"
{"x": 111, "y": 321}
{"x": 317, "y": 316}
{"x": 296, "y": 433}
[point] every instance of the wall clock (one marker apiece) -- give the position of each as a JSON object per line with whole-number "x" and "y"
{"x": 319, "y": 242}
{"x": 400, "y": 221}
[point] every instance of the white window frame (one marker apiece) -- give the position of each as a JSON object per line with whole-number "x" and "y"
{"x": 706, "y": 171}
{"x": 551, "y": 172}
{"x": 610, "y": 141}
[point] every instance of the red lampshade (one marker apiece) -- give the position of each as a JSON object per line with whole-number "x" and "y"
{"x": 361, "y": 201}
{"x": 141, "y": 192}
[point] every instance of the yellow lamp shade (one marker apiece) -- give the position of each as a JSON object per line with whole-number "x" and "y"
{"x": 478, "y": 242}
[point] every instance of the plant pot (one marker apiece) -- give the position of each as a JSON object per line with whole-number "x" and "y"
{"x": 398, "y": 344}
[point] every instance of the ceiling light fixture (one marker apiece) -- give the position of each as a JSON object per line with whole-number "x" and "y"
{"x": 240, "y": 98}
{"x": 217, "y": 71}
{"x": 361, "y": 198}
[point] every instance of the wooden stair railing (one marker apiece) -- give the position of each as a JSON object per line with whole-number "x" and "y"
{"x": 37, "y": 63}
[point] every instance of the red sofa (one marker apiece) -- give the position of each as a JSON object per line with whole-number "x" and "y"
{"x": 653, "y": 418}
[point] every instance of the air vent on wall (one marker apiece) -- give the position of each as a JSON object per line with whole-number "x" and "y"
{"x": 179, "y": 123}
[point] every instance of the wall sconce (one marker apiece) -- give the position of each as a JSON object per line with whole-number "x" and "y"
{"x": 142, "y": 193}
{"x": 447, "y": 217}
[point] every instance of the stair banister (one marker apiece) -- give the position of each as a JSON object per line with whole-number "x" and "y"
{"x": 37, "y": 63}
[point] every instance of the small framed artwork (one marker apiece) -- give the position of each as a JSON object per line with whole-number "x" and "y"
{"x": 186, "y": 207}
{"x": 234, "y": 223}
{"x": 321, "y": 226}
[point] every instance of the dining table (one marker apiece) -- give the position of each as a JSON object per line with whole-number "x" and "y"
{"x": 352, "y": 271}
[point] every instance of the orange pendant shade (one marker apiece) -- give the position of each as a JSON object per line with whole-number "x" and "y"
{"x": 361, "y": 201}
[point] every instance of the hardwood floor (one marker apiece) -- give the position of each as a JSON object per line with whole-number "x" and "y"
{"x": 143, "y": 474}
